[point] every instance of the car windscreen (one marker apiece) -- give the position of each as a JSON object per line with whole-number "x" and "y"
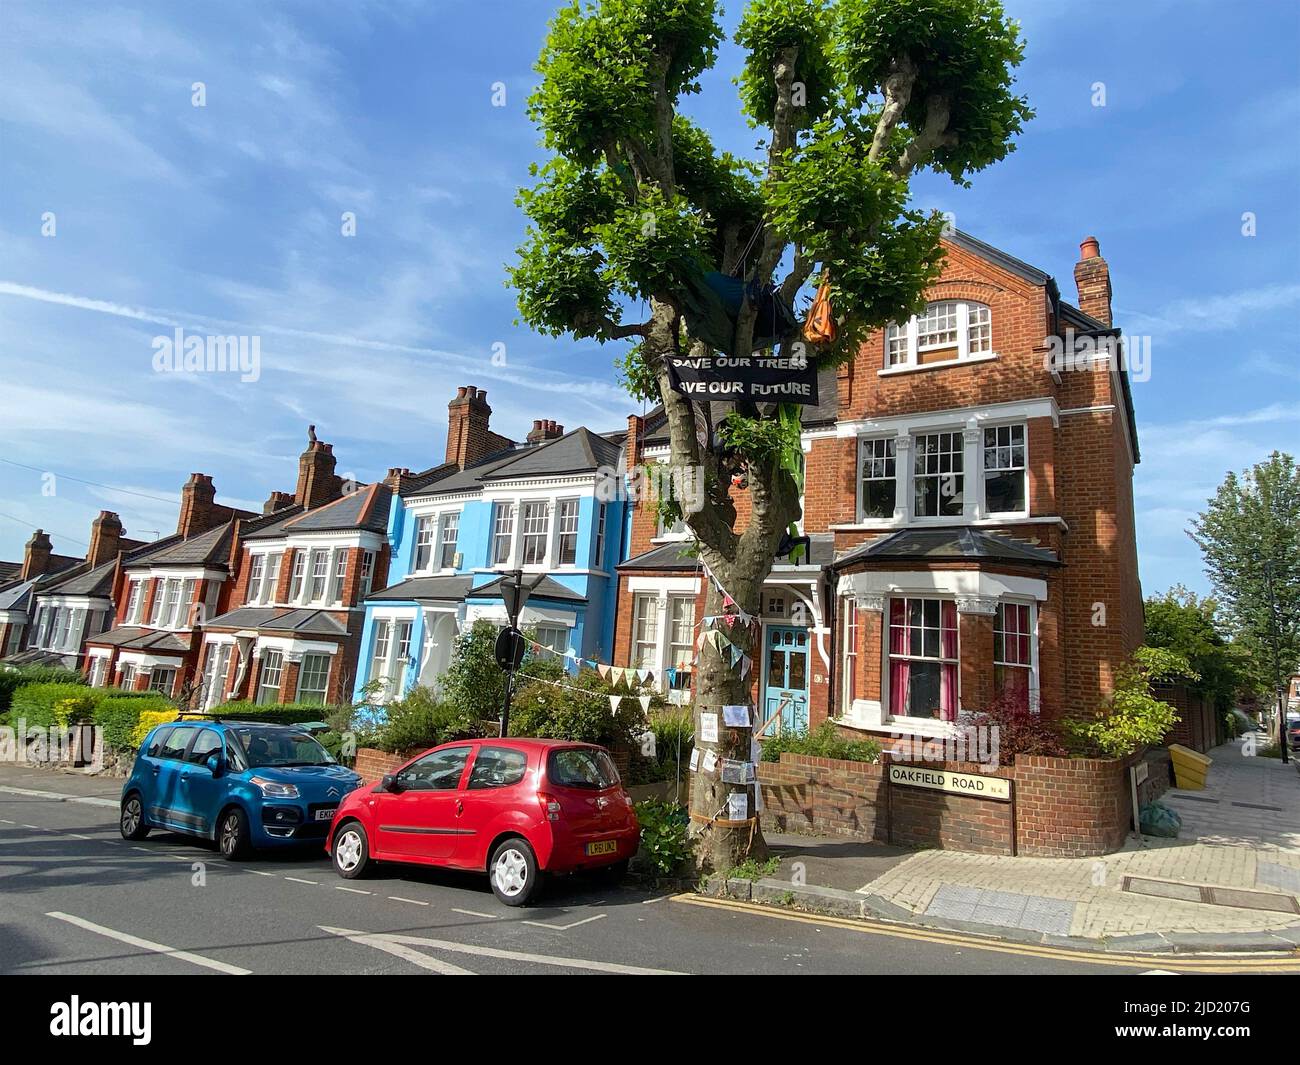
{"x": 581, "y": 767}
{"x": 279, "y": 747}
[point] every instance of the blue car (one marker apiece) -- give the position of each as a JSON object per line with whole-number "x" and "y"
{"x": 243, "y": 784}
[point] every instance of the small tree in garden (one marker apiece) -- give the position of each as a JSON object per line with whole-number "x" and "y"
{"x": 636, "y": 208}
{"x": 1133, "y": 717}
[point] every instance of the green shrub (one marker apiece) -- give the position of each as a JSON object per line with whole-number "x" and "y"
{"x": 119, "y": 713}
{"x": 420, "y": 720}
{"x": 824, "y": 741}
{"x": 35, "y": 703}
{"x": 14, "y": 677}
{"x": 148, "y": 719}
{"x": 476, "y": 685}
{"x": 272, "y": 713}
{"x": 664, "y": 842}
{"x": 1134, "y": 718}
{"x": 579, "y": 711}
{"x": 673, "y": 729}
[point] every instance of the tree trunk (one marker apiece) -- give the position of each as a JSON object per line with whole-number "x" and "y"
{"x": 720, "y": 845}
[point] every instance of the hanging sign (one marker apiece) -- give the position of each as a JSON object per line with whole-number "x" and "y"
{"x": 763, "y": 377}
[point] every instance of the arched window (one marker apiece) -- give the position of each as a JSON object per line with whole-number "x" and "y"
{"x": 948, "y": 331}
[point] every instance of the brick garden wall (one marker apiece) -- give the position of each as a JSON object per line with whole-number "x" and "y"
{"x": 373, "y": 764}
{"x": 1062, "y": 807}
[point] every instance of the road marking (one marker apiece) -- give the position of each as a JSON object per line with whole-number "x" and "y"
{"x": 59, "y": 796}
{"x": 414, "y": 902}
{"x": 258, "y": 872}
{"x": 1287, "y": 962}
{"x": 145, "y": 849}
{"x": 78, "y": 835}
{"x": 34, "y": 828}
{"x": 647, "y": 902}
{"x": 565, "y": 927}
{"x": 475, "y": 913}
{"x": 389, "y": 945}
{"x": 296, "y": 880}
{"x": 6, "y": 821}
{"x": 390, "y": 941}
{"x": 144, "y": 944}
{"x": 354, "y": 890}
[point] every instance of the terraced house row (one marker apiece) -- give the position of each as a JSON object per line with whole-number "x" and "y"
{"x": 968, "y": 499}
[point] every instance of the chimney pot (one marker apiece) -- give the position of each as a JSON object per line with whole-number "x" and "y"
{"x": 460, "y": 392}
{"x": 1092, "y": 280}
{"x": 1089, "y": 249}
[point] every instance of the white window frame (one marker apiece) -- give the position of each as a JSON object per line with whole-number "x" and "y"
{"x": 271, "y": 583}
{"x": 126, "y": 675}
{"x": 367, "y": 572}
{"x": 886, "y": 693}
{"x": 543, "y": 535}
{"x": 272, "y": 658}
{"x": 1032, "y": 666}
{"x": 641, "y": 639}
{"x": 555, "y": 637}
{"x": 958, "y": 436}
{"x": 672, "y": 644}
{"x": 850, "y": 625}
{"x": 159, "y": 672}
{"x": 448, "y": 523}
{"x": 256, "y": 577}
{"x": 135, "y": 601}
{"x": 303, "y": 673}
{"x": 985, "y": 470}
{"x": 426, "y": 541}
{"x": 867, "y": 447}
{"x": 320, "y": 575}
{"x": 561, "y": 532}
{"x": 338, "y": 577}
{"x": 505, "y": 513}
{"x": 971, "y": 331}
{"x": 599, "y": 550}
{"x": 298, "y": 580}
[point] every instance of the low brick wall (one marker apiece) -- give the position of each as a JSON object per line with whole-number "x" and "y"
{"x": 374, "y": 765}
{"x": 1061, "y": 807}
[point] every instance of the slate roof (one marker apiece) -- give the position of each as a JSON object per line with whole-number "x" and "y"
{"x": 457, "y": 589}
{"x": 82, "y": 580}
{"x": 679, "y": 555}
{"x": 38, "y": 658}
{"x": 136, "y": 638}
{"x": 579, "y": 451}
{"x": 14, "y": 596}
{"x": 366, "y": 509}
{"x": 207, "y": 548}
{"x": 948, "y": 544}
{"x": 296, "y": 620}
{"x": 998, "y": 257}
{"x": 9, "y": 570}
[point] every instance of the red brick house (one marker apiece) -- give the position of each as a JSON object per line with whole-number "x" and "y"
{"x": 289, "y": 627}
{"x": 969, "y": 501}
{"x": 162, "y": 595}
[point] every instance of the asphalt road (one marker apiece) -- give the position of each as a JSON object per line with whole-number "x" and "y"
{"x": 75, "y": 898}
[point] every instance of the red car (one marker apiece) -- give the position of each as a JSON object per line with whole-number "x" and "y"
{"x": 515, "y": 808}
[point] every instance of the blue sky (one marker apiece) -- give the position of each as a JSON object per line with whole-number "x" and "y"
{"x": 226, "y": 218}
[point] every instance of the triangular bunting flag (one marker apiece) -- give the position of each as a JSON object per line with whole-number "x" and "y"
{"x": 602, "y": 668}
{"x": 645, "y": 704}
{"x": 614, "y": 700}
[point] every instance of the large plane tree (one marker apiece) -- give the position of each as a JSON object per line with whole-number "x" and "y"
{"x": 637, "y": 210}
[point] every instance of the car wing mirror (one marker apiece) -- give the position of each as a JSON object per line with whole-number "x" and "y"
{"x": 214, "y": 763}
{"x": 390, "y": 783}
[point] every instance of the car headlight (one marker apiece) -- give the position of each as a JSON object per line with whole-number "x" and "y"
{"x": 273, "y": 789}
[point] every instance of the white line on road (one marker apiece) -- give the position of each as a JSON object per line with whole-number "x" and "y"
{"x": 416, "y": 902}
{"x": 6, "y": 821}
{"x": 565, "y": 927}
{"x": 59, "y": 795}
{"x": 297, "y": 880}
{"x": 415, "y": 957}
{"x": 258, "y": 872}
{"x": 353, "y": 890}
{"x": 144, "y": 944}
{"x": 391, "y": 942}
{"x": 475, "y": 913}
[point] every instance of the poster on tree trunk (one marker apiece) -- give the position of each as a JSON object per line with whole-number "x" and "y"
{"x": 763, "y": 377}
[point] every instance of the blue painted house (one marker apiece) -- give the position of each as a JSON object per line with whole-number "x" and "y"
{"x": 544, "y": 506}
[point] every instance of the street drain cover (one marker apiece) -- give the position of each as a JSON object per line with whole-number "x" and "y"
{"x": 1240, "y": 898}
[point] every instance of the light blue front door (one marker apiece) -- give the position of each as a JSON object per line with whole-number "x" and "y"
{"x": 786, "y": 678}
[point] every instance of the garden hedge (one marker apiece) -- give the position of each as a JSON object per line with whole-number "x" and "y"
{"x": 14, "y": 677}
{"x": 272, "y": 713}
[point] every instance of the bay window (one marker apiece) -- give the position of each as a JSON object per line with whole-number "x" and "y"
{"x": 567, "y": 532}
{"x": 126, "y": 677}
{"x": 162, "y": 680}
{"x": 923, "y": 658}
{"x": 367, "y": 572}
{"x": 600, "y": 535}
{"x": 503, "y": 533}
{"x": 448, "y": 530}
{"x": 1013, "y": 661}
{"x": 271, "y": 586}
{"x": 299, "y": 576}
{"x": 313, "y": 678}
{"x": 1004, "y": 469}
{"x": 879, "y": 477}
{"x": 536, "y": 526}
{"x": 268, "y": 687}
{"x": 340, "y": 572}
{"x": 681, "y": 640}
{"x": 389, "y": 661}
{"x": 425, "y": 529}
{"x": 135, "y": 603}
{"x": 645, "y": 631}
{"x": 320, "y": 568}
{"x": 850, "y": 657}
{"x": 554, "y": 637}
{"x": 256, "y": 574}
{"x": 938, "y": 481}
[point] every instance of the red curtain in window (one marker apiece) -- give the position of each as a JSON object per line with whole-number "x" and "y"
{"x": 899, "y": 669}
{"x": 948, "y": 675}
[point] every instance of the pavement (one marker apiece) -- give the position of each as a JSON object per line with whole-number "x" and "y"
{"x": 75, "y": 898}
{"x": 1230, "y": 882}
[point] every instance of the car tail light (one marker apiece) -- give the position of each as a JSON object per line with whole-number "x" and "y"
{"x": 550, "y": 805}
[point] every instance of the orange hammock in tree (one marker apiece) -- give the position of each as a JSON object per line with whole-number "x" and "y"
{"x": 820, "y": 325}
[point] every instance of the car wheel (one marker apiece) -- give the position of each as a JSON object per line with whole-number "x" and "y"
{"x": 131, "y": 824}
{"x": 233, "y": 836}
{"x": 513, "y": 872}
{"x": 351, "y": 851}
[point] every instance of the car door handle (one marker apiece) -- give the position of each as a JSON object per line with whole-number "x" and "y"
{"x": 460, "y": 807}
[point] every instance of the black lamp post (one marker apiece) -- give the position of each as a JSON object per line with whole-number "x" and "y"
{"x": 510, "y": 644}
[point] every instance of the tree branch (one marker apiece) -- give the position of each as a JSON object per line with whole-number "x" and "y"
{"x": 934, "y": 135}
{"x": 794, "y": 280}
{"x": 898, "y": 93}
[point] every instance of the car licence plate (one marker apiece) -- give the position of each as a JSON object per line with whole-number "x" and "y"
{"x": 326, "y": 815}
{"x": 605, "y": 846}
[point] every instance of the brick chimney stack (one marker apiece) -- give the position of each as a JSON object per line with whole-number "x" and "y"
{"x": 199, "y": 512}
{"x": 635, "y": 429}
{"x": 277, "y": 501}
{"x": 468, "y": 436}
{"x": 105, "y": 538}
{"x": 1092, "y": 277}
{"x": 544, "y": 430}
{"x": 36, "y": 555}
{"x": 317, "y": 482}
{"x": 399, "y": 478}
